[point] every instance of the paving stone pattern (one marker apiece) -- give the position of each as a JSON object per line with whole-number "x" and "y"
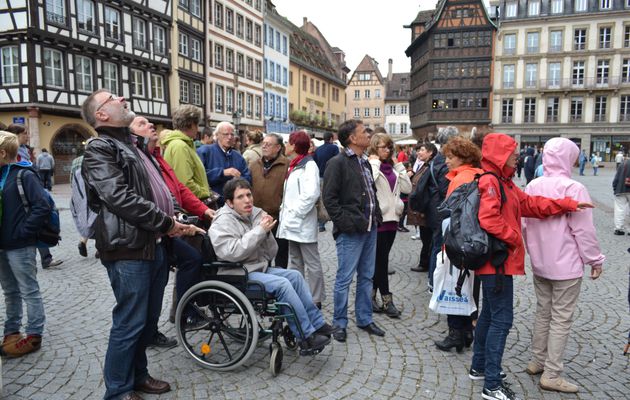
{"x": 403, "y": 365}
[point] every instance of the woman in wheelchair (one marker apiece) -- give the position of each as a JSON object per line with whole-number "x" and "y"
{"x": 240, "y": 233}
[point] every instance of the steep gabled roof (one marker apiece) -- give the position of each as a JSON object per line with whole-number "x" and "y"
{"x": 398, "y": 87}
{"x": 422, "y": 18}
{"x": 368, "y": 64}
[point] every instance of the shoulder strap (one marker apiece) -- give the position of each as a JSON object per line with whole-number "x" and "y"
{"x": 20, "y": 186}
{"x": 432, "y": 175}
{"x": 503, "y": 196}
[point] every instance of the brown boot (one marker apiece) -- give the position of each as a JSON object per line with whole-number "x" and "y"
{"x": 10, "y": 339}
{"x": 389, "y": 307}
{"x": 23, "y": 346}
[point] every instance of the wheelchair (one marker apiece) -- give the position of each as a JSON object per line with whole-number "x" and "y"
{"x": 221, "y": 320}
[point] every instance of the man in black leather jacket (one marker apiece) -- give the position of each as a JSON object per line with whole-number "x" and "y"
{"x": 133, "y": 219}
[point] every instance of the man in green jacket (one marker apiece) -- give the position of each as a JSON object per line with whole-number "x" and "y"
{"x": 178, "y": 149}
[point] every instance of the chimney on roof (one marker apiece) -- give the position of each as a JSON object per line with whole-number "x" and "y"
{"x": 304, "y": 21}
{"x": 389, "y": 69}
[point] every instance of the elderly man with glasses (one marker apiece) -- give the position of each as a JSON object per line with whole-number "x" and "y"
{"x": 222, "y": 161}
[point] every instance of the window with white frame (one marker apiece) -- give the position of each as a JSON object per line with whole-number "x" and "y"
{"x": 392, "y": 110}
{"x": 137, "y": 83}
{"x": 377, "y": 111}
{"x": 580, "y": 5}
{"x": 53, "y": 68}
{"x": 139, "y": 32}
{"x": 603, "y": 70}
{"x": 257, "y": 107}
{"x": 403, "y": 109}
{"x": 508, "y": 76}
{"x": 218, "y": 14}
{"x": 249, "y": 30}
{"x": 239, "y": 102}
{"x": 626, "y": 36}
{"x": 605, "y": 34}
{"x": 229, "y": 20}
{"x": 239, "y": 26}
{"x": 511, "y": 9}
{"x": 625, "y": 70}
{"x": 240, "y": 64}
{"x": 157, "y": 87}
{"x": 391, "y": 127}
{"x": 366, "y": 112}
{"x": 56, "y": 11}
{"x": 605, "y": 4}
{"x": 279, "y": 74}
{"x": 624, "y": 108}
{"x": 533, "y": 8}
{"x": 110, "y": 77}
{"x": 10, "y": 65}
{"x": 183, "y": 91}
{"x": 579, "y": 39}
{"x": 218, "y": 56}
{"x": 284, "y": 45}
{"x": 278, "y": 106}
{"x": 112, "y": 23}
{"x": 365, "y": 76}
{"x": 272, "y": 71}
{"x": 507, "y": 111}
{"x": 183, "y": 44}
{"x": 577, "y": 108}
{"x": 195, "y": 8}
{"x": 229, "y": 60}
{"x": 509, "y": 43}
{"x": 377, "y": 93}
{"x": 367, "y": 93}
{"x": 258, "y": 73}
{"x": 285, "y": 78}
{"x": 159, "y": 39}
{"x": 533, "y": 42}
{"x": 553, "y": 74}
{"x": 257, "y": 33}
{"x": 557, "y": 6}
{"x": 600, "y": 108}
{"x": 578, "y": 73}
{"x": 249, "y": 105}
{"x": 357, "y": 94}
{"x": 553, "y": 109}
{"x": 531, "y": 75}
{"x": 529, "y": 110}
{"x": 229, "y": 100}
{"x": 195, "y": 49}
{"x": 403, "y": 127}
{"x": 555, "y": 41}
{"x": 218, "y": 98}
{"x": 249, "y": 68}
{"x": 84, "y": 75}
{"x": 85, "y": 15}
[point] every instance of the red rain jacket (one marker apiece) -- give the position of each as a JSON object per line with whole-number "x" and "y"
{"x": 504, "y": 222}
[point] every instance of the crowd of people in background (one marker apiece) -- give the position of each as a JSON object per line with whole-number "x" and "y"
{"x": 264, "y": 206}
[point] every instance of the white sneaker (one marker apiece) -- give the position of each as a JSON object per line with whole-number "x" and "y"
{"x": 500, "y": 393}
{"x": 415, "y": 237}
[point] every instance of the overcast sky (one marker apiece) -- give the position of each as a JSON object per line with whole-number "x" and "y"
{"x": 360, "y": 27}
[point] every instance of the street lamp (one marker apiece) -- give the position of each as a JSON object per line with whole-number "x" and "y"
{"x": 236, "y": 120}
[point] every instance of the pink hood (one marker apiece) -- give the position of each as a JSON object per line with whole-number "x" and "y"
{"x": 560, "y": 246}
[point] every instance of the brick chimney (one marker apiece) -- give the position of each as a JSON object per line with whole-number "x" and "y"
{"x": 389, "y": 69}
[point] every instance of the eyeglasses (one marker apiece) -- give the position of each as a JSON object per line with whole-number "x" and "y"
{"x": 266, "y": 144}
{"x": 227, "y": 134}
{"x": 110, "y": 98}
{"x": 385, "y": 147}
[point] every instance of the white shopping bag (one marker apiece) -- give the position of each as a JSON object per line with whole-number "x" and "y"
{"x": 444, "y": 299}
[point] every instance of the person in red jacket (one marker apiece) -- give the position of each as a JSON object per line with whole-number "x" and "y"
{"x": 502, "y": 219}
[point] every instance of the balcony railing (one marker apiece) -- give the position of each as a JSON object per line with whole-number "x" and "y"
{"x": 55, "y": 18}
{"x": 506, "y": 119}
{"x": 552, "y": 118}
{"x": 613, "y": 82}
{"x": 624, "y": 118}
{"x": 509, "y": 51}
{"x": 532, "y": 49}
{"x": 599, "y": 118}
{"x": 529, "y": 119}
{"x": 555, "y": 48}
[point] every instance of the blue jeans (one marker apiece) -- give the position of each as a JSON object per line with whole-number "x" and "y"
{"x": 356, "y": 252}
{"x": 493, "y": 326}
{"x": 582, "y": 165}
{"x": 18, "y": 276}
{"x": 289, "y": 286}
{"x": 436, "y": 247}
{"x": 188, "y": 261}
{"x": 138, "y": 287}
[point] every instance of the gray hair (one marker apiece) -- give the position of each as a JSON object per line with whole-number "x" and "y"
{"x": 186, "y": 116}
{"x": 279, "y": 139}
{"x": 88, "y": 108}
{"x": 444, "y": 134}
{"x": 221, "y": 126}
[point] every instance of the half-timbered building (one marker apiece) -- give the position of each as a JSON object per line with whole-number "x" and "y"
{"x": 54, "y": 53}
{"x": 451, "y": 66}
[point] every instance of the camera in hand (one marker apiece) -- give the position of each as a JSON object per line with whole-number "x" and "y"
{"x": 187, "y": 219}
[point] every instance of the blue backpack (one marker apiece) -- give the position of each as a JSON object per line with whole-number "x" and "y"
{"x": 49, "y": 234}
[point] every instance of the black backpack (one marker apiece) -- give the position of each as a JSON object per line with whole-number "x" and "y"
{"x": 467, "y": 245}
{"x": 420, "y": 199}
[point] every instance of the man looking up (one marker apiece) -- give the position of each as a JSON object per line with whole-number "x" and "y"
{"x": 134, "y": 205}
{"x": 221, "y": 161}
{"x": 350, "y": 199}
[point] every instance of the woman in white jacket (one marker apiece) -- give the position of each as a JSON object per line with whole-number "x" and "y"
{"x": 391, "y": 179}
{"x": 298, "y": 214}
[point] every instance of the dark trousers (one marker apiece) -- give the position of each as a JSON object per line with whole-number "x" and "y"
{"x": 426, "y": 236}
{"x": 436, "y": 248}
{"x": 46, "y": 176}
{"x": 138, "y": 287}
{"x": 401, "y": 222}
{"x": 384, "y": 242}
{"x": 464, "y": 322}
{"x": 282, "y": 256}
{"x": 188, "y": 262}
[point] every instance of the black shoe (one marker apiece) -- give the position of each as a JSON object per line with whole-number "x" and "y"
{"x": 160, "y": 340}
{"x": 318, "y": 305}
{"x": 372, "y": 329}
{"x": 390, "y": 272}
{"x": 479, "y": 376}
{"x": 500, "y": 393}
{"x": 327, "y": 330}
{"x": 313, "y": 344}
{"x": 455, "y": 339}
{"x": 420, "y": 268}
{"x": 82, "y": 249}
{"x": 341, "y": 335}
{"x": 619, "y": 232}
{"x": 402, "y": 229}
{"x": 322, "y": 229}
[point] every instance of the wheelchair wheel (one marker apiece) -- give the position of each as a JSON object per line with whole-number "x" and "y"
{"x": 217, "y": 325}
{"x": 275, "y": 360}
{"x": 289, "y": 338}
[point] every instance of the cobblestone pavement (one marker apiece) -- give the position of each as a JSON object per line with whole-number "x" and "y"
{"x": 405, "y": 364}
